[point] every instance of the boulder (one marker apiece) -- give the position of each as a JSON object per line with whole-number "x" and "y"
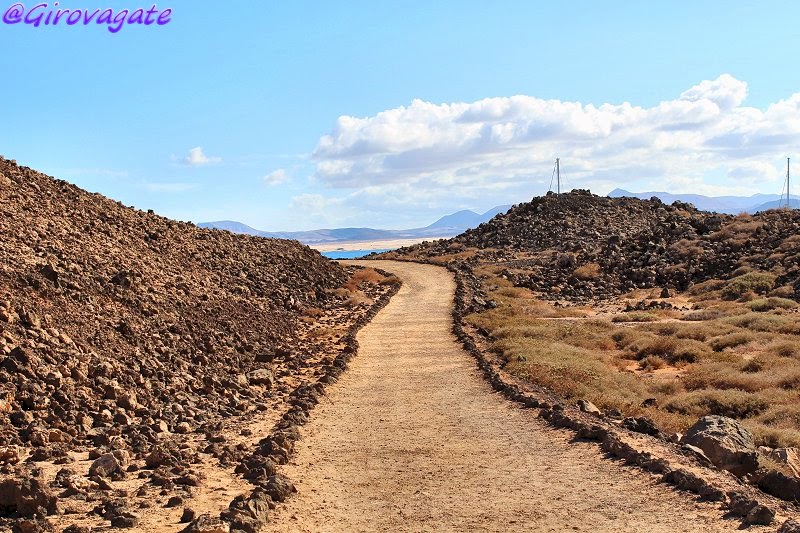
{"x": 249, "y": 513}
{"x": 105, "y": 465}
{"x": 27, "y": 498}
{"x": 207, "y": 524}
{"x": 790, "y": 526}
{"x": 588, "y": 407}
{"x": 725, "y": 442}
{"x": 780, "y": 485}
{"x": 262, "y": 376}
{"x": 788, "y": 457}
{"x": 278, "y": 487}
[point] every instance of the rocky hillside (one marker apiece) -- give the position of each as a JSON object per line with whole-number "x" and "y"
{"x": 581, "y": 246}
{"x": 120, "y": 329}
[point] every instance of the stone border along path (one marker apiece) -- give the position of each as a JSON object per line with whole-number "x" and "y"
{"x": 412, "y": 438}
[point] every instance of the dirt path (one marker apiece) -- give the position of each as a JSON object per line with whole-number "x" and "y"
{"x": 412, "y": 439}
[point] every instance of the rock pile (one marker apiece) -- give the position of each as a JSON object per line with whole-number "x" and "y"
{"x": 580, "y": 246}
{"x": 120, "y": 328}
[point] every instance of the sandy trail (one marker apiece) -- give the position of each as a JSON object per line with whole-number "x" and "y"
{"x": 413, "y": 439}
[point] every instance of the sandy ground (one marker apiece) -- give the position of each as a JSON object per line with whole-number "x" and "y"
{"x": 413, "y": 439}
{"x": 370, "y": 245}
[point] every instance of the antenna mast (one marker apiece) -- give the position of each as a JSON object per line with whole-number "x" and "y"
{"x": 788, "y": 195}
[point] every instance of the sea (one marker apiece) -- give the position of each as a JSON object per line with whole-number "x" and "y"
{"x": 352, "y": 254}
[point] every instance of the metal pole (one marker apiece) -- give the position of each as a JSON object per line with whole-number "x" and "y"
{"x": 558, "y": 173}
{"x": 788, "y": 193}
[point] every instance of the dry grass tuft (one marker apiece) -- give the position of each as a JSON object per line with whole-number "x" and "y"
{"x": 731, "y": 403}
{"x": 587, "y": 272}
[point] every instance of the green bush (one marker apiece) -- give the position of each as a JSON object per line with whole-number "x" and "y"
{"x": 757, "y": 282}
{"x": 768, "y": 304}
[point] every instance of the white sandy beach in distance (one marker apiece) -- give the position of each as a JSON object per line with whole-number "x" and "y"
{"x": 369, "y": 245}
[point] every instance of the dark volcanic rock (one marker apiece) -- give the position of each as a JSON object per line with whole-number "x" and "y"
{"x": 581, "y": 247}
{"x": 132, "y": 336}
{"x": 725, "y": 442}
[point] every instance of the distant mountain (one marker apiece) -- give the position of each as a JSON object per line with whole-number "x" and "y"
{"x": 721, "y": 204}
{"x": 464, "y": 220}
{"x": 232, "y": 226}
{"x": 447, "y": 226}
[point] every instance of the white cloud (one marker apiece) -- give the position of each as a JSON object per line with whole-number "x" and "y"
{"x": 468, "y": 149}
{"x": 275, "y": 177}
{"x": 196, "y": 158}
{"x": 753, "y": 171}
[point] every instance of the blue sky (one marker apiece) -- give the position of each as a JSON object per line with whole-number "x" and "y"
{"x": 312, "y": 114}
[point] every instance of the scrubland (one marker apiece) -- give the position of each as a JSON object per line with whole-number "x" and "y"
{"x": 727, "y": 347}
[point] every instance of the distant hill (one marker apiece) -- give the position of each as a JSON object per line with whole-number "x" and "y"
{"x": 794, "y": 204}
{"x": 732, "y": 205}
{"x": 447, "y": 226}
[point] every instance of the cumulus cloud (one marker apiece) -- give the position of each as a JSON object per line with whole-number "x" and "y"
{"x": 510, "y": 142}
{"x": 196, "y": 158}
{"x": 275, "y": 177}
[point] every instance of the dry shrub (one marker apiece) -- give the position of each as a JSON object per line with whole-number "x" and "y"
{"x": 571, "y": 372}
{"x": 763, "y": 322}
{"x": 790, "y": 244}
{"x": 773, "y": 437}
{"x": 731, "y": 340}
{"x": 731, "y": 403}
{"x": 652, "y": 362}
{"x": 515, "y": 292}
{"x": 695, "y": 331}
{"x": 391, "y": 280}
{"x": 748, "y": 296}
{"x": 587, "y": 272}
{"x": 784, "y": 416}
{"x": 358, "y": 298}
{"x": 709, "y": 286}
{"x": 714, "y": 375}
{"x": 786, "y": 349}
{"x": 789, "y": 380}
{"x": 313, "y": 312}
{"x": 784, "y": 291}
{"x": 686, "y": 249}
{"x": 741, "y": 228}
{"x": 364, "y": 275}
{"x": 665, "y": 388}
{"x": 703, "y": 315}
{"x": 635, "y": 316}
{"x": 340, "y": 292}
{"x": 659, "y": 346}
{"x": 627, "y": 336}
{"x": 757, "y": 282}
{"x": 675, "y": 351}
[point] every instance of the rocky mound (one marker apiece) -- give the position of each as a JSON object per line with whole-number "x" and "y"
{"x": 581, "y": 246}
{"x": 120, "y": 328}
